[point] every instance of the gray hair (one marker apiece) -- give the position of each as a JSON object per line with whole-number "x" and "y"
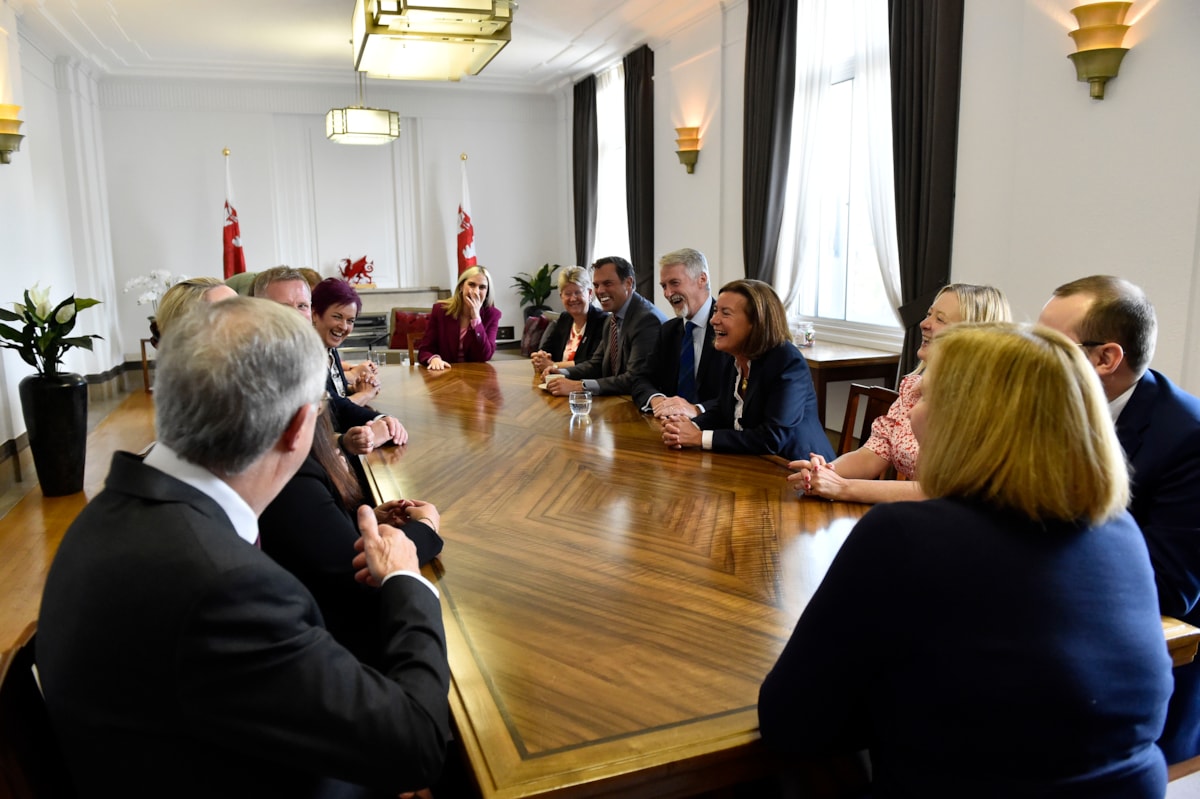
{"x": 578, "y": 275}
{"x": 276, "y": 274}
{"x": 693, "y": 260}
{"x": 231, "y": 377}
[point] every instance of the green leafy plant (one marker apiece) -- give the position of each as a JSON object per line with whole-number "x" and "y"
{"x": 534, "y": 289}
{"x": 45, "y": 334}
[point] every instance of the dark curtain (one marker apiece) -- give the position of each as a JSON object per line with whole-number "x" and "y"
{"x": 583, "y": 167}
{"x": 767, "y": 129}
{"x": 926, "y": 61}
{"x": 639, "y": 164}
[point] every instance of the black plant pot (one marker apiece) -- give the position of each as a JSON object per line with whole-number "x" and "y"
{"x": 55, "y": 410}
{"x": 535, "y": 310}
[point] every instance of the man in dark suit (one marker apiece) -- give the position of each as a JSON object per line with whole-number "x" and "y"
{"x": 176, "y": 657}
{"x": 1159, "y": 429}
{"x": 685, "y": 368}
{"x": 629, "y": 336}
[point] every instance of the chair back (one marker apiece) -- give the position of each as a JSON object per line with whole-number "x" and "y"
{"x": 879, "y": 399}
{"x": 531, "y": 338}
{"x": 407, "y": 329}
{"x": 31, "y": 761}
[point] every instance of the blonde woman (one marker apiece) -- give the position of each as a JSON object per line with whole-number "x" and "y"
{"x": 186, "y": 293}
{"x": 462, "y": 328}
{"x": 854, "y": 477}
{"x": 575, "y": 335}
{"x": 1017, "y": 649}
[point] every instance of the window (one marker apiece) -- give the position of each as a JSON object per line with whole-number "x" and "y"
{"x": 612, "y": 219}
{"x": 836, "y": 258}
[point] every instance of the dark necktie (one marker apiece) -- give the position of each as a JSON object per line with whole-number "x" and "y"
{"x": 687, "y": 364}
{"x": 614, "y": 352}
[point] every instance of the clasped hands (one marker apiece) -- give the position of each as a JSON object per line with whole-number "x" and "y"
{"x": 382, "y": 548}
{"x": 679, "y": 431}
{"x": 364, "y": 438}
{"x": 816, "y": 477}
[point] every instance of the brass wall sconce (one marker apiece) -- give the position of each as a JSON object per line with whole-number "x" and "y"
{"x": 688, "y": 142}
{"x": 1098, "y": 43}
{"x": 10, "y": 139}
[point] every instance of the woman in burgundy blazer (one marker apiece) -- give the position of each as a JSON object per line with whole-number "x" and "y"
{"x": 462, "y": 328}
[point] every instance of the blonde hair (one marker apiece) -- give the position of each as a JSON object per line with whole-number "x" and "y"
{"x": 454, "y": 305}
{"x": 579, "y": 275}
{"x": 181, "y": 297}
{"x": 975, "y": 304}
{"x": 1018, "y": 420}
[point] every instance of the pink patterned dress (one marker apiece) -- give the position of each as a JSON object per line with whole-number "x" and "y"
{"x": 891, "y": 434}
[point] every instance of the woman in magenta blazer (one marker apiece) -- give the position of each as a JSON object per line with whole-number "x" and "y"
{"x": 462, "y": 328}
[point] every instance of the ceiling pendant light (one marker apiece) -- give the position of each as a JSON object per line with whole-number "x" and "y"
{"x": 358, "y": 124}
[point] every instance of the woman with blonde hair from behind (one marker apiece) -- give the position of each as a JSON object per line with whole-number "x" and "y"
{"x": 1020, "y": 651}
{"x": 185, "y": 294}
{"x": 854, "y": 477}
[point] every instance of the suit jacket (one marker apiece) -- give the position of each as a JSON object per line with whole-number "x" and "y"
{"x": 308, "y": 531}
{"x": 779, "y": 413}
{"x": 441, "y": 337}
{"x": 1059, "y": 670}
{"x": 663, "y": 375}
{"x": 346, "y": 412}
{"x": 554, "y": 340}
{"x": 1159, "y": 430}
{"x": 177, "y": 659}
{"x": 635, "y": 344}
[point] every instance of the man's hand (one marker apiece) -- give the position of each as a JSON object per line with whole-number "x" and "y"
{"x": 358, "y": 440}
{"x": 562, "y": 386}
{"x": 666, "y": 407}
{"x": 382, "y": 549}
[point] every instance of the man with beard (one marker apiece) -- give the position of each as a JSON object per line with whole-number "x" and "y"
{"x": 685, "y": 368}
{"x": 629, "y": 336}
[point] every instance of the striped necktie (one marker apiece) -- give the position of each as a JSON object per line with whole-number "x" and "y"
{"x": 614, "y": 352}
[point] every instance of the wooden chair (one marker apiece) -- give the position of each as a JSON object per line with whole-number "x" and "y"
{"x": 31, "y": 762}
{"x": 407, "y": 328}
{"x": 879, "y": 399}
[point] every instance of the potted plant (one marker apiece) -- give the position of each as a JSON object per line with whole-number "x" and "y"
{"x": 534, "y": 289}
{"x": 54, "y": 403}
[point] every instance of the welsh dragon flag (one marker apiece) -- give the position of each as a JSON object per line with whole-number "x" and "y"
{"x": 234, "y": 256}
{"x": 466, "y": 230}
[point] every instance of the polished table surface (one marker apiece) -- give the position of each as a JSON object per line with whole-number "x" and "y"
{"x": 611, "y": 606}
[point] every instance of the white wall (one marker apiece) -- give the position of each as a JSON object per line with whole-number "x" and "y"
{"x": 1053, "y": 185}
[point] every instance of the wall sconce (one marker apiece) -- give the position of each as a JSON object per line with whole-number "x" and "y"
{"x": 10, "y": 139}
{"x": 1098, "y": 43}
{"x": 688, "y": 142}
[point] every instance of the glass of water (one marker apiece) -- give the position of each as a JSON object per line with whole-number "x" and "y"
{"x": 581, "y": 403}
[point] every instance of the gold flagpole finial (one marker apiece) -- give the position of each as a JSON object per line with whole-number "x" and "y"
{"x": 463, "y": 156}
{"x": 225, "y": 152}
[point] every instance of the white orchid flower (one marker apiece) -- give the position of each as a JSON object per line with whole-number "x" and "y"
{"x": 41, "y": 301}
{"x": 19, "y": 309}
{"x": 65, "y": 314}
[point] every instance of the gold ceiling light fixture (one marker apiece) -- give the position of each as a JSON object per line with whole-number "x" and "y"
{"x": 10, "y": 138}
{"x": 688, "y": 142}
{"x": 429, "y": 39}
{"x": 1098, "y": 43}
{"x": 357, "y": 124}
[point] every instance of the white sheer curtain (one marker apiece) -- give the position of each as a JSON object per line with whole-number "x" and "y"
{"x": 799, "y": 235}
{"x": 612, "y": 219}
{"x": 873, "y": 105}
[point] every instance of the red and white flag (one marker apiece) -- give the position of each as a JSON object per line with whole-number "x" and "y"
{"x": 234, "y": 256}
{"x": 466, "y": 230}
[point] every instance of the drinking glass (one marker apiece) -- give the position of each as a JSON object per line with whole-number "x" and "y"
{"x": 581, "y": 403}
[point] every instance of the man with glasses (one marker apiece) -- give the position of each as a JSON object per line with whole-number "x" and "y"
{"x": 1159, "y": 428}
{"x": 177, "y": 657}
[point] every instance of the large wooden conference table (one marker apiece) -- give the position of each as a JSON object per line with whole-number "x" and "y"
{"x": 611, "y": 606}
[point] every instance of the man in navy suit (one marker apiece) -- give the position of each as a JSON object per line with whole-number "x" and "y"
{"x": 1159, "y": 429}
{"x": 628, "y": 335}
{"x": 685, "y": 368}
{"x": 176, "y": 657}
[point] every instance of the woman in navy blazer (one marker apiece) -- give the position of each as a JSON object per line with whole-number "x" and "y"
{"x": 462, "y": 328}
{"x": 768, "y": 405}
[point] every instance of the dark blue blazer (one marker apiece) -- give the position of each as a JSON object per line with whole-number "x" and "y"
{"x": 1159, "y": 430}
{"x": 663, "y": 375}
{"x": 779, "y": 414}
